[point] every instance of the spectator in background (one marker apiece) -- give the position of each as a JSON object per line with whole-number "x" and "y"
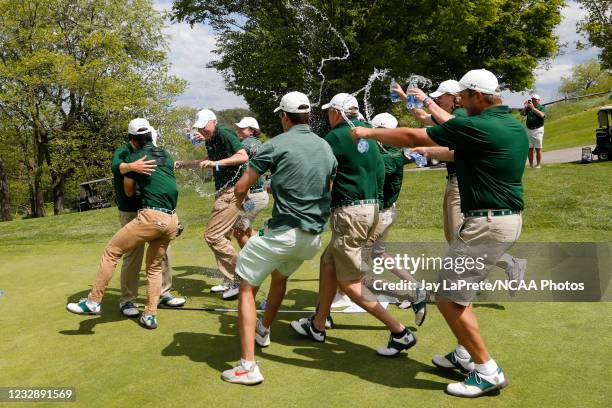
{"x": 535, "y": 113}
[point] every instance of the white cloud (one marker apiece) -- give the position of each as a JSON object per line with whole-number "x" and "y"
{"x": 191, "y": 50}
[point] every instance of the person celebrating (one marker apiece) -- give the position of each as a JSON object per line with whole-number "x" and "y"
{"x": 248, "y": 132}
{"x": 156, "y": 223}
{"x": 225, "y": 157}
{"x": 490, "y": 148}
{"x": 302, "y": 167}
{"x": 356, "y": 194}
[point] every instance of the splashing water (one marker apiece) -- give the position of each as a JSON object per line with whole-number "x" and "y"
{"x": 299, "y": 9}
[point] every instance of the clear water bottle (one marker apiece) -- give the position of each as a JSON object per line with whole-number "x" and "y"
{"x": 194, "y": 141}
{"x": 419, "y": 159}
{"x": 363, "y": 146}
{"x": 394, "y": 96}
{"x": 248, "y": 205}
{"x": 263, "y": 304}
{"x": 411, "y": 101}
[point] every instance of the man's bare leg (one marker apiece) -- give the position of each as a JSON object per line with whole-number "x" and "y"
{"x": 247, "y": 317}
{"x": 278, "y": 288}
{"x": 328, "y": 285}
{"x": 464, "y": 325}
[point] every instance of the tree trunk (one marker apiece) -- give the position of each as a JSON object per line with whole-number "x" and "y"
{"x": 59, "y": 193}
{"x": 5, "y": 202}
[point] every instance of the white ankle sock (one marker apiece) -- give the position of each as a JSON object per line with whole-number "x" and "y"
{"x": 247, "y": 364}
{"x": 488, "y": 368}
{"x": 461, "y": 352}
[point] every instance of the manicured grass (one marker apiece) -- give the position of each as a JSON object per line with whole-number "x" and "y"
{"x": 573, "y": 123}
{"x": 552, "y": 353}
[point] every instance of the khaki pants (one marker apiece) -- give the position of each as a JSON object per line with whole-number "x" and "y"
{"x": 352, "y": 227}
{"x": 451, "y": 208}
{"x": 224, "y": 215}
{"x": 154, "y": 227}
{"x": 132, "y": 262}
{"x": 484, "y": 238}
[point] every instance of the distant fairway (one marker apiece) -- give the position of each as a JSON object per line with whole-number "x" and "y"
{"x": 554, "y": 354}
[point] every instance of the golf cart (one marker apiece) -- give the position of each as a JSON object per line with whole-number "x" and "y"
{"x": 95, "y": 194}
{"x": 603, "y": 134}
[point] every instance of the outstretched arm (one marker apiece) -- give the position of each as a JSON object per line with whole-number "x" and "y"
{"x": 243, "y": 185}
{"x": 400, "y": 137}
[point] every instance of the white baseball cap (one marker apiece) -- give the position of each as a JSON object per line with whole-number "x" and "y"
{"x": 535, "y": 96}
{"x": 247, "y": 122}
{"x": 292, "y": 101}
{"x": 384, "y": 120}
{"x": 138, "y": 126}
{"x": 479, "y": 80}
{"x": 342, "y": 102}
{"x": 447, "y": 87}
{"x": 203, "y": 117}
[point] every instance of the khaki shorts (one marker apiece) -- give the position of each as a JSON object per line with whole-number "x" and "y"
{"x": 451, "y": 209}
{"x": 284, "y": 251}
{"x": 536, "y": 137}
{"x": 260, "y": 200}
{"x": 386, "y": 218}
{"x": 484, "y": 238}
{"x": 352, "y": 227}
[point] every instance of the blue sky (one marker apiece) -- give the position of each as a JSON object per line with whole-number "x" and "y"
{"x": 192, "y": 48}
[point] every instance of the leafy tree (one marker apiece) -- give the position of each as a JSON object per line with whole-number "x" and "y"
{"x": 585, "y": 79}
{"x": 269, "y": 47}
{"x": 73, "y": 74}
{"x": 597, "y": 26}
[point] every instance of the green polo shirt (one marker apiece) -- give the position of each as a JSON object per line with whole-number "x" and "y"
{"x": 252, "y": 144}
{"x": 490, "y": 153}
{"x": 302, "y": 166}
{"x": 533, "y": 120}
{"x": 159, "y": 188}
{"x": 124, "y": 203}
{"x": 393, "y": 159}
{"x": 360, "y": 175}
{"x": 224, "y": 143}
{"x": 458, "y": 113}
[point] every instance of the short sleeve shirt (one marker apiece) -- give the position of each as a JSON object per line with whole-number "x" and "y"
{"x": 252, "y": 144}
{"x": 490, "y": 153}
{"x": 393, "y": 159}
{"x": 124, "y": 203}
{"x": 159, "y": 188}
{"x": 224, "y": 144}
{"x": 302, "y": 166}
{"x": 533, "y": 120}
{"x": 357, "y": 175}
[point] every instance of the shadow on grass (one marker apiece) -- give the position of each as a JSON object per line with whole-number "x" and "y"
{"x": 495, "y": 306}
{"x": 338, "y": 355}
{"x": 110, "y": 313}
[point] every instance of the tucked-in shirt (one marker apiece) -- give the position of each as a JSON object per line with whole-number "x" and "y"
{"x": 124, "y": 203}
{"x": 252, "y": 144}
{"x": 360, "y": 176}
{"x": 490, "y": 153}
{"x": 302, "y": 166}
{"x": 393, "y": 159}
{"x": 533, "y": 120}
{"x": 159, "y": 188}
{"x": 224, "y": 144}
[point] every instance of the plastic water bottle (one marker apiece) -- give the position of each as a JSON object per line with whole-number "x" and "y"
{"x": 419, "y": 159}
{"x": 411, "y": 101}
{"x": 248, "y": 205}
{"x": 263, "y": 304}
{"x": 394, "y": 96}
{"x": 363, "y": 146}
{"x": 194, "y": 141}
